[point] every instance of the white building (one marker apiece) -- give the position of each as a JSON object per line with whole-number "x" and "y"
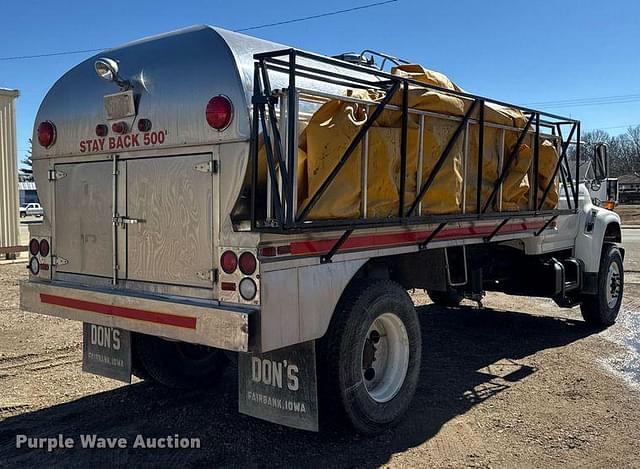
{"x": 9, "y": 211}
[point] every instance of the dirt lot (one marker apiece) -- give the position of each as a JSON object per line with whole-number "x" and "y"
{"x": 519, "y": 383}
{"x": 630, "y": 214}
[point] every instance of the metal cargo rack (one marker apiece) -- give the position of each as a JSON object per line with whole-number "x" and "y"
{"x": 275, "y": 124}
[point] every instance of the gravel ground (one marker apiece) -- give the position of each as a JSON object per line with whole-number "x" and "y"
{"x": 520, "y": 382}
{"x": 630, "y": 214}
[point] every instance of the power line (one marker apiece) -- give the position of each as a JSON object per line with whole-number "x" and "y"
{"x": 612, "y": 127}
{"x": 321, "y": 15}
{"x": 593, "y": 101}
{"x": 250, "y": 28}
{"x": 50, "y": 54}
{"x": 580, "y": 100}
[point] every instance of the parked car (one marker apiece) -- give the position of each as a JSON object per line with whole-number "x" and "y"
{"x": 32, "y": 209}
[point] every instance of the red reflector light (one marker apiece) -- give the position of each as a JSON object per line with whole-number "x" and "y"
{"x": 247, "y": 263}
{"x": 229, "y": 262}
{"x": 46, "y": 134}
{"x": 144, "y": 125}
{"x": 44, "y": 248}
{"x": 219, "y": 112}
{"x": 119, "y": 127}
{"x": 228, "y": 286}
{"x": 269, "y": 251}
{"x": 34, "y": 247}
{"x": 286, "y": 249}
{"x": 102, "y": 130}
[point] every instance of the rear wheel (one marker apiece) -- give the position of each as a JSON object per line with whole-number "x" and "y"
{"x": 178, "y": 364}
{"x": 371, "y": 356}
{"x": 601, "y": 310}
{"x": 450, "y": 298}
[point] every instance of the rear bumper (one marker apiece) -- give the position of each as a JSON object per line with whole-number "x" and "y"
{"x": 223, "y": 327}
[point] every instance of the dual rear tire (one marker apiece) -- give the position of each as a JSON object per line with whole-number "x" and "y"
{"x": 369, "y": 360}
{"x": 177, "y": 365}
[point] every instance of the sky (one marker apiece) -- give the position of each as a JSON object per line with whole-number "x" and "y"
{"x": 522, "y": 52}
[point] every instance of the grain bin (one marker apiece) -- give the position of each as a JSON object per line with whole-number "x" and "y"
{"x": 9, "y": 234}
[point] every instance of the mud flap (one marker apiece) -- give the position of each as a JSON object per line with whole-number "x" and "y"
{"x": 106, "y": 351}
{"x": 280, "y": 386}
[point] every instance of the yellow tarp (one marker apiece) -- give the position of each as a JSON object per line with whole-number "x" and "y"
{"x": 335, "y": 124}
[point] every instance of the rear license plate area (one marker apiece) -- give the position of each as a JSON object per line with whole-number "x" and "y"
{"x": 120, "y": 105}
{"x": 106, "y": 351}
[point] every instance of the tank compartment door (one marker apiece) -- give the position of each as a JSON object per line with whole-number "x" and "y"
{"x": 83, "y": 218}
{"x": 170, "y": 220}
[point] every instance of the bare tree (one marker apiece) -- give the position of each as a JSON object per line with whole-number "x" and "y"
{"x": 26, "y": 171}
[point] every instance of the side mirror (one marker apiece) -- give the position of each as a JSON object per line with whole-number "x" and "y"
{"x": 601, "y": 161}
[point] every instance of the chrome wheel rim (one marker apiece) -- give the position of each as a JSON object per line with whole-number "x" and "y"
{"x": 385, "y": 357}
{"x": 613, "y": 284}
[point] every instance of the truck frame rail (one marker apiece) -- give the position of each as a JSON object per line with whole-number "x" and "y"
{"x": 276, "y": 114}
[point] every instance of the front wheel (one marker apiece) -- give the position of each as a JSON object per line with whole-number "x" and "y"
{"x": 371, "y": 355}
{"x": 178, "y": 364}
{"x": 601, "y": 310}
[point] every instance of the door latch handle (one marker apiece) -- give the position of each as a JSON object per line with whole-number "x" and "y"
{"x": 122, "y": 221}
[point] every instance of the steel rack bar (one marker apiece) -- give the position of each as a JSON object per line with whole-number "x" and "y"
{"x": 284, "y": 172}
{"x": 564, "y": 183}
{"x": 441, "y": 159}
{"x": 254, "y": 148}
{"x": 563, "y": 156}
{"x": 284, "y": 64}
{"x": 370, "y": 71}
{"x": 347, "y": 154}
{"x": 334, "y": 249}
{"x": 546, "y": 225}
{"x": 480, "y": 158}
{"x": 322, "y": 226}
{"x": 510, "y": 160}
{"x": 272, "y": 170}
{"x": 346, "y": 84}
{"x": 432, "y": 236}
{"x": 292, "y": 132}
{"x": 403, "y": 148}
{"x": 574, "y": 190}
{"x": 496, "y": 230}
{"x": 576, "y": 193}
{"x": 536, "y": 163}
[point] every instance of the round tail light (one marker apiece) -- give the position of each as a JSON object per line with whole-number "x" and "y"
{"x": 102, "y": 130}
{"x": 229, "y": 262}
{"x": 144, "y": 125}
{"x": 219, "y": 112}
{"x": 247, "y": 263}
{"x": 46, "y": 134}
{"x": 34, "y": 247}
{"x": 44, "y": 248}
{"x": 119, "y": 128}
